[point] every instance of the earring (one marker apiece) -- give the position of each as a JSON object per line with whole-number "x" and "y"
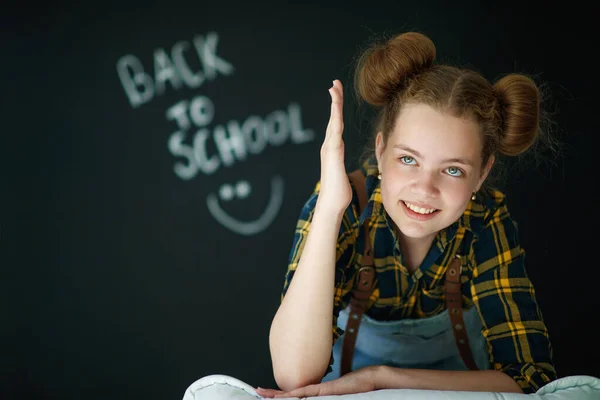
{"x": 474, "y": 196}
{"x": 379, "y": 176}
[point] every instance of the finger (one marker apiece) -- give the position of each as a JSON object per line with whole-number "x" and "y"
{"x": 291, "y": 394}
{"x": 337, "y": 104}
{"x": 335, "y": 125}
{"x": 268, "y": 393}
{"x": 307, "y": 391}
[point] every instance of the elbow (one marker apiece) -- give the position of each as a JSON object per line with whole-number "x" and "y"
{"x": 290, "y": 381}
{"x": 296, "y": 376}
{"x": 530, "y": 377}
{"x": 296, "y": 366}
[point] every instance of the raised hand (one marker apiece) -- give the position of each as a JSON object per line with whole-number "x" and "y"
{"x": 335, "y": 192}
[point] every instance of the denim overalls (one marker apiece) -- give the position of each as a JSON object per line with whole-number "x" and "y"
{"x": 411, "y": 343}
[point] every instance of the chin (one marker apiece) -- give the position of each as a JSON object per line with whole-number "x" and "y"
{"x": 416, "y": 232}
{"x": 421, "y": 229}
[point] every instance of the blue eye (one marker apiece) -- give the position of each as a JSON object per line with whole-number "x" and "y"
{"x": 407, "y": 160}
{"x": 453, "y": 171}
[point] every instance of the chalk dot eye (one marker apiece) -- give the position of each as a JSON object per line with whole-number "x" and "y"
{"x": 226, "y": 192}
{"x": 242, "y": 189}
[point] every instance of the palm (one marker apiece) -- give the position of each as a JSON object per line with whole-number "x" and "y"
{"x": 335, "y": 187}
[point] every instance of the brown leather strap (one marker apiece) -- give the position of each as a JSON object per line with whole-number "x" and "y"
{"x": 364, "y": 283}
{"x": 455, "y": 310}
{"x": 360, "y": 184}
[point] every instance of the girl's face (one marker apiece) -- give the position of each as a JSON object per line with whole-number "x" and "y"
{"x": 430, "y": 167}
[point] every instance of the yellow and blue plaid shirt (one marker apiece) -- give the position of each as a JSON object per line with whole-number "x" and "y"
{"x": 494, "y": 278}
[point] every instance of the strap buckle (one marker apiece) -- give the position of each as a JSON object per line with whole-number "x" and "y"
{"x": 364, "y": 277}
{"x": 460, "y": 264}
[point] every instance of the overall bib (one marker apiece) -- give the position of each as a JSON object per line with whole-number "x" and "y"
{"x": 426, "y": 343}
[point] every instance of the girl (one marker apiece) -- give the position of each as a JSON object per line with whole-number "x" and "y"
{"x": 428, "y": 218}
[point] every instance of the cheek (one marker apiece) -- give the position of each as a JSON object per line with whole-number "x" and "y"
{"x": 458, "y": 198}
{"x": 387, "y": 195}
{"x": 392, "y": 187}
{"x": 456, "y": 194}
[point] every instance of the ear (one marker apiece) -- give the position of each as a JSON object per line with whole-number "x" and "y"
{"x": 485, "y": 172}
{"x": 379, "y": 147}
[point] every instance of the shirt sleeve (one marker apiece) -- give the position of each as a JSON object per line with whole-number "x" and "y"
{"x": 344, "y": 256}
{"x": 505, "y": 299}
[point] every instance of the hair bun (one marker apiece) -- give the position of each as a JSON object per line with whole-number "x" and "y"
{"x": 520, "y": 107}
{"x": 382, "y": 68}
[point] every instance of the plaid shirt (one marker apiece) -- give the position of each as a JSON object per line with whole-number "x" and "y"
{"x": 494, "y": 279}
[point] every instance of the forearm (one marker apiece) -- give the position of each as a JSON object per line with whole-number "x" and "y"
{"x": 301, "y": 332}
{"x": 477, "y": 381}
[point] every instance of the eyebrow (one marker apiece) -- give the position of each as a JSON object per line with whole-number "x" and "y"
{"x": 449, "y": 160}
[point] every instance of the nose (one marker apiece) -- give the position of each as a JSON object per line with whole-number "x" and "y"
{"x": 425, "y": 185}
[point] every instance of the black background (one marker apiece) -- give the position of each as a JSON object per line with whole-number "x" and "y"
{"x": 116, "y": 280}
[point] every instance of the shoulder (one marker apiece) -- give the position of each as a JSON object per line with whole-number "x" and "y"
{"x": 496, "y": 238}
{"x": 308, "y": 208}
{"x": 488, "y": 210}
{"x": 365, "y": 175}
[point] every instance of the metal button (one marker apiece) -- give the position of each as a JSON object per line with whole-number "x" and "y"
{"x": 458, "y": 327}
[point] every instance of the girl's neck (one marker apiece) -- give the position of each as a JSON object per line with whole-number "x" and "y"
{"x": 414, "y": 250}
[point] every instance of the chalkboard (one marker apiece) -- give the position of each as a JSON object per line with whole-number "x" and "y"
{"x": 155, "y": 158}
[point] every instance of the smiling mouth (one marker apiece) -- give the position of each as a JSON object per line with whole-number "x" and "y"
{"x": 250, "y": 227}
{"x": 418, "y": 215}
{"x": 419, "y": 210}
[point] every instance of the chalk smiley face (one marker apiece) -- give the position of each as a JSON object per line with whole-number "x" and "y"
{"x": 241, "y": 190}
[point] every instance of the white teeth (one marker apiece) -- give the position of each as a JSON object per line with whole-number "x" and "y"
{"x": 420, "y": 210}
